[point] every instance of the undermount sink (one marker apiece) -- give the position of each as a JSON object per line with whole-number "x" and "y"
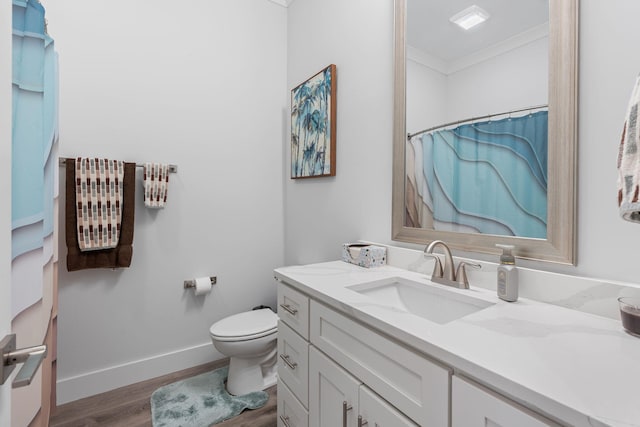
{"x": 429, "y": 302}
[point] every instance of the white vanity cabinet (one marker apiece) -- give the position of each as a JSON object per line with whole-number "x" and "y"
{"x": 411, "y": 382}
{"x": 333, "y": 393}
{"x": 474, "y": 406}
{"x": 375, "y": 412}
{"x": 293, "y": 358}
{"x": 337, "y": 398}
{"x": 352, "y": 334}
{"x": 291, "y": 413}
{"x": 325, "y": 359}
{"x": 293, "y": 309}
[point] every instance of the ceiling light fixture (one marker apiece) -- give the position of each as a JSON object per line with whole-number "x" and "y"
{"x": 470, "y": 17}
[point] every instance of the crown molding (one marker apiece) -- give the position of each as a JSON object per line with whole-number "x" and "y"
{"x": 430, "y": 61}
{"x": 450, "y": 67}
{"x": 497, "y": 49}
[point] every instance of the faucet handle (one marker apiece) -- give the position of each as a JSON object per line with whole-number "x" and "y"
{"x": 461, "y": 273}
{"x": 437, "y": 267}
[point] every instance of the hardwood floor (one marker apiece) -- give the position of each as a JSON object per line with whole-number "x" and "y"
{"x": 129, "y": 406}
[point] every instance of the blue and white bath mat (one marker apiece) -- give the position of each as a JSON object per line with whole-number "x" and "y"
{"x": 200, "y": 401}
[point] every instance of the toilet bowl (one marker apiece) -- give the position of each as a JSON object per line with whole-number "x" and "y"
{"x": 249, "y": 340}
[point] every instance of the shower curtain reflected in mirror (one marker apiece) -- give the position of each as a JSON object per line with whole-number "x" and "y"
{"x": 485, "y": 177}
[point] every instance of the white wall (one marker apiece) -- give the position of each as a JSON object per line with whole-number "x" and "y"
{"x": 607, "y": 246}
{"x": 508, "y": 80}
{"x": 512, "y": 80}
{"x": 201, "y": 84}
{"x": 426, "y": 97}
{"x": 322, "y": 213}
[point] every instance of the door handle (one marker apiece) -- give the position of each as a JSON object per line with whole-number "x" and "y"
{"x": 32, "y": 357}
{"x": 285, "y": 421}
{"x": 345, "y": 407}
{"x": 290, "y": 364}
{"x": 292, "y": 311}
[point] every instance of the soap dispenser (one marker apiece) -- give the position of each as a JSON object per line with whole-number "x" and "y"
{"x": 507, "y": 274}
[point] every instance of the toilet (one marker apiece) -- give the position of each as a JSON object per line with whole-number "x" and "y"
{"x": 249, "y": 340}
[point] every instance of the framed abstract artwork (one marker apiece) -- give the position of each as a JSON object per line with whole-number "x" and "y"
{"x": 313, "y": 126}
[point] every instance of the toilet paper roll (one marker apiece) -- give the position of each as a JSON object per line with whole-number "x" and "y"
{"x": 203, "y": 285}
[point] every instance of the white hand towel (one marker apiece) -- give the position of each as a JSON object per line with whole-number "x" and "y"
{"x": 629, "y": 160}
{"x": 156, "y": 183}
{"x": 99, "y": 191}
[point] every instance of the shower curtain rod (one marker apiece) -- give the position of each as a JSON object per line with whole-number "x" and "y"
{"x": 535, "y": 107}
{"x": 172, "y": 168}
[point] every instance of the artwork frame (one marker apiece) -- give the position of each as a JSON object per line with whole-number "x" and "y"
{"x": 313, "y": 126}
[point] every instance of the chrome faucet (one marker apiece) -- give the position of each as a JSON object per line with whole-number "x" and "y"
{"x": 438, "y": 270}
{"x": 448, "y": 275}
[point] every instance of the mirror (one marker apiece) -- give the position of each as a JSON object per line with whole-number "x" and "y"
{"x": 446, "y": 110}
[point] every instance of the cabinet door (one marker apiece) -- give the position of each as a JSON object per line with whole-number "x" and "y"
{"x": 415, "y": 385}
{"x": 329, "y": 387}
{"x": 293, "y": 309}
{"x": 293, "y": 362}
{"x": 476, "y": 407}
{"x": 291, "y": 413}
{"x": 376, "y": 412}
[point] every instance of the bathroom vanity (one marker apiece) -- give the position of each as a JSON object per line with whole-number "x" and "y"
{"x": 387, "y": 347}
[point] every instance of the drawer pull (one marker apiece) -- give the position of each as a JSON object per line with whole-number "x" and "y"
{"x": 285, "y": 421}
{"x": 361, "y": 422}
{"x": 286, "y": 307}
{"x": 345, "y": 408}
{"x": 285, "y": 359}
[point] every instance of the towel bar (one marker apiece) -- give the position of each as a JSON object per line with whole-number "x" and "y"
{"x": 172, "y": 168}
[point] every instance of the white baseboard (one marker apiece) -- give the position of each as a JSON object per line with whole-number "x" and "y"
{"x": 91, "y": 383}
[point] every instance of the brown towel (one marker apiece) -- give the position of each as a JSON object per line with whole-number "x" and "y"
{"x": 117, "y": 257}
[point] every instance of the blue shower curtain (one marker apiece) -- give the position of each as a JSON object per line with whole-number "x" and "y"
{"x": 490, "y": 177}
{"x": 34, "y": 144}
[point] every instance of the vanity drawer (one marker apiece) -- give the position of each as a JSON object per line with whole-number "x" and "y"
{"x": 293, "y": 362}
{"x": 473, "y": 405}
{"x": 293, "y": 309}
{"x": 291, "y": 413}
{"x": 410, "y": 382}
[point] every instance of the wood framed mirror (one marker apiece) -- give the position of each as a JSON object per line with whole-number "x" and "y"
{"x": 557, "y": 242}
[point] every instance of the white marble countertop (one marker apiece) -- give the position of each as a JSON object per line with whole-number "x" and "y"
{"x": 581, "y": 369}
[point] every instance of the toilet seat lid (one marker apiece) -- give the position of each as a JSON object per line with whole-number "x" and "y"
{"x": 247, "y": 325}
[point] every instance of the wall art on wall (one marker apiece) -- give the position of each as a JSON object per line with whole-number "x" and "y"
{"x": 313, "y": 126}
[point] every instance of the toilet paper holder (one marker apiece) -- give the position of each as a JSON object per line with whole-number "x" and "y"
{"x": 192, "y": 283}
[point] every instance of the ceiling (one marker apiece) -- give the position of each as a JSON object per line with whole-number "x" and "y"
{"x": 429, "y": 29}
